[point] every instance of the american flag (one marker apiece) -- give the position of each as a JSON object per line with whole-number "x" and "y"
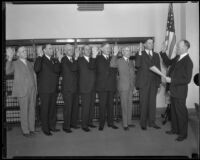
{"x": 170, "y": 38}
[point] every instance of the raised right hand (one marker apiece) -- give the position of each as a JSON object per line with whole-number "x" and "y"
{"x": 10, "y": 54}
{"x": 40, "y": 51}
{"x": 94, "y": 52}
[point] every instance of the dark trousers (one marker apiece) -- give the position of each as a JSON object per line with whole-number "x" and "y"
{"x": 87, "y": 103}
{"x": 48, "y": 111}
{"x": 70, "y": 111}
{"x": 106, "y": 106}
{"x": 179, "y": 116}
{"x": 148, "y": 104}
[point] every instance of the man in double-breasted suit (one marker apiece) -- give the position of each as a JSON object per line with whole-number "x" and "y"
{"x": 86, "y": 69}
{"x": 126, "y": 84}
{"x": 106, "y": 86}
{"x": 179, "y": 79}
{"x": 24, "y": 88}
{"x": 48, "y": 69}
{"x": 148, "y": 83}
{"x": 69, "y": 88}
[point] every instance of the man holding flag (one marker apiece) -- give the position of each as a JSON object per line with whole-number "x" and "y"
{"x": 180, "y": 74}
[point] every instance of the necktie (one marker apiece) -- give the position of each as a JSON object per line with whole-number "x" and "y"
{"x": 71, "y": 59}
{"x": 149, "y": 53}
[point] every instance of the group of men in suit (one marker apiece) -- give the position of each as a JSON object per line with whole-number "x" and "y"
{"x": 93, "y": 72}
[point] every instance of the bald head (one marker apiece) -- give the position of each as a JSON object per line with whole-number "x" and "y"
{"x": 69, "y": 50}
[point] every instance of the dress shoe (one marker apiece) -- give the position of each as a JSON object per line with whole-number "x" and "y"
{"x": 113, "y": 126}
{"x": 144, "y": 128}
{"x": 74, "y": 127}
{"x": 47, "y": 133}
{"x": 55, "y": 130}
{"x": 154, "y": 126}
{"x": 131, "y": 125}
{"x": 101, "y": 128}
{"x": 92, "y": 126}
{"x": 126, "y": 128}
{"x": 170, "y": 132}
{"x": 86, "y": 129}
{"x": 27, "y": 135}
{"x": 181, "y": 138}
{"x": 67, "y": 130}
{"x": 32, "y": 133}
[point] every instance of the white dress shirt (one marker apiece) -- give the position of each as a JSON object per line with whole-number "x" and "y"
{"x": 70, "y": 58}
{"x": 126, "y": 59}
{"x": 48, "y": 57}
{"x": 182, "y": 56}
{"x": 87, "y": 58}
{"x": 106, "y": 56}
{"x": 149, "y": 52}
{"x": 23, "y": 60}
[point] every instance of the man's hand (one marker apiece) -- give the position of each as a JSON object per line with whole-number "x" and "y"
{"x": 77, "y": 53}
{"x": 9, "y": 54}
{"x": 116, "y": 50}
{"x": 141, "y": 48}
{"x": 168, "y": 79}
{"x": 94, "y": 52}
{"x": 164, "y": 47}
{"x": 59, "y": 54}
{"x": 40, "y": 51}
{"x": 135, "y": 91}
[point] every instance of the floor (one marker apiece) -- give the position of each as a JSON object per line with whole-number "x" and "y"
{"x": 108, "y": 142}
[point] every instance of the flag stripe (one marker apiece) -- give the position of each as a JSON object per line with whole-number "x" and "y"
{"x": 172, "y": 44}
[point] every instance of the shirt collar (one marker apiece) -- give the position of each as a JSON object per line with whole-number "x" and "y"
{"x": 183, "y": 55}
{"x": 125, "y": 58}
{"x": 69, "y": 57}
{"x": 23, "y": 60}
{"x": 47, "y": 56}
{"x": 106, "y": 56}
{"x": 148, "y": 51}
{"x": 87, "y": 58}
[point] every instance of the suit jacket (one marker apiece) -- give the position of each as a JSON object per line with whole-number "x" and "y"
{"x": 126, "y": 71}
{"x": 24, "y": 77}
{"x": 144, "y": 74}
{"x": 47, "y": 74}
{"x": 181, "y": 77}
{"x": 106, "y": 75}
{"x": 169, "y": 63}
{"x": 69, "y": 73}
{"x": 86, "y": 75}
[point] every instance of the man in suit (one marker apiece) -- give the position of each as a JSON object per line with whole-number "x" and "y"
{"x": 126, "y": 83}
{"x": 105, "y": 86}
{"x": 69, "y": 73}
{"x": 48, "y": 69}
{"x": 86, "y": 69}
{"x": 24, "y": 88}
{"x": 148, "y": 83}
{"x": 179, "y": 79}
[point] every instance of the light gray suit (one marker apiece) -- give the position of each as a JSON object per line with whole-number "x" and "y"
{"x": 126, "y": 85}
{"x": 25, "y": 89}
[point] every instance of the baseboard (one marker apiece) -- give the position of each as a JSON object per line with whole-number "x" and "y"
{"x": 161, "y": 110}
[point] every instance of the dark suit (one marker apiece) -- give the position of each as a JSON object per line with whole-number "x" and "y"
{"x": 69, "y": 73}
{"x": 180, "y": 78}
{"x": 106, "y": 86}
{"x": 86, "y": 88}
{"x": 48, "y": 76}
{"x": 148, "y": 83}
